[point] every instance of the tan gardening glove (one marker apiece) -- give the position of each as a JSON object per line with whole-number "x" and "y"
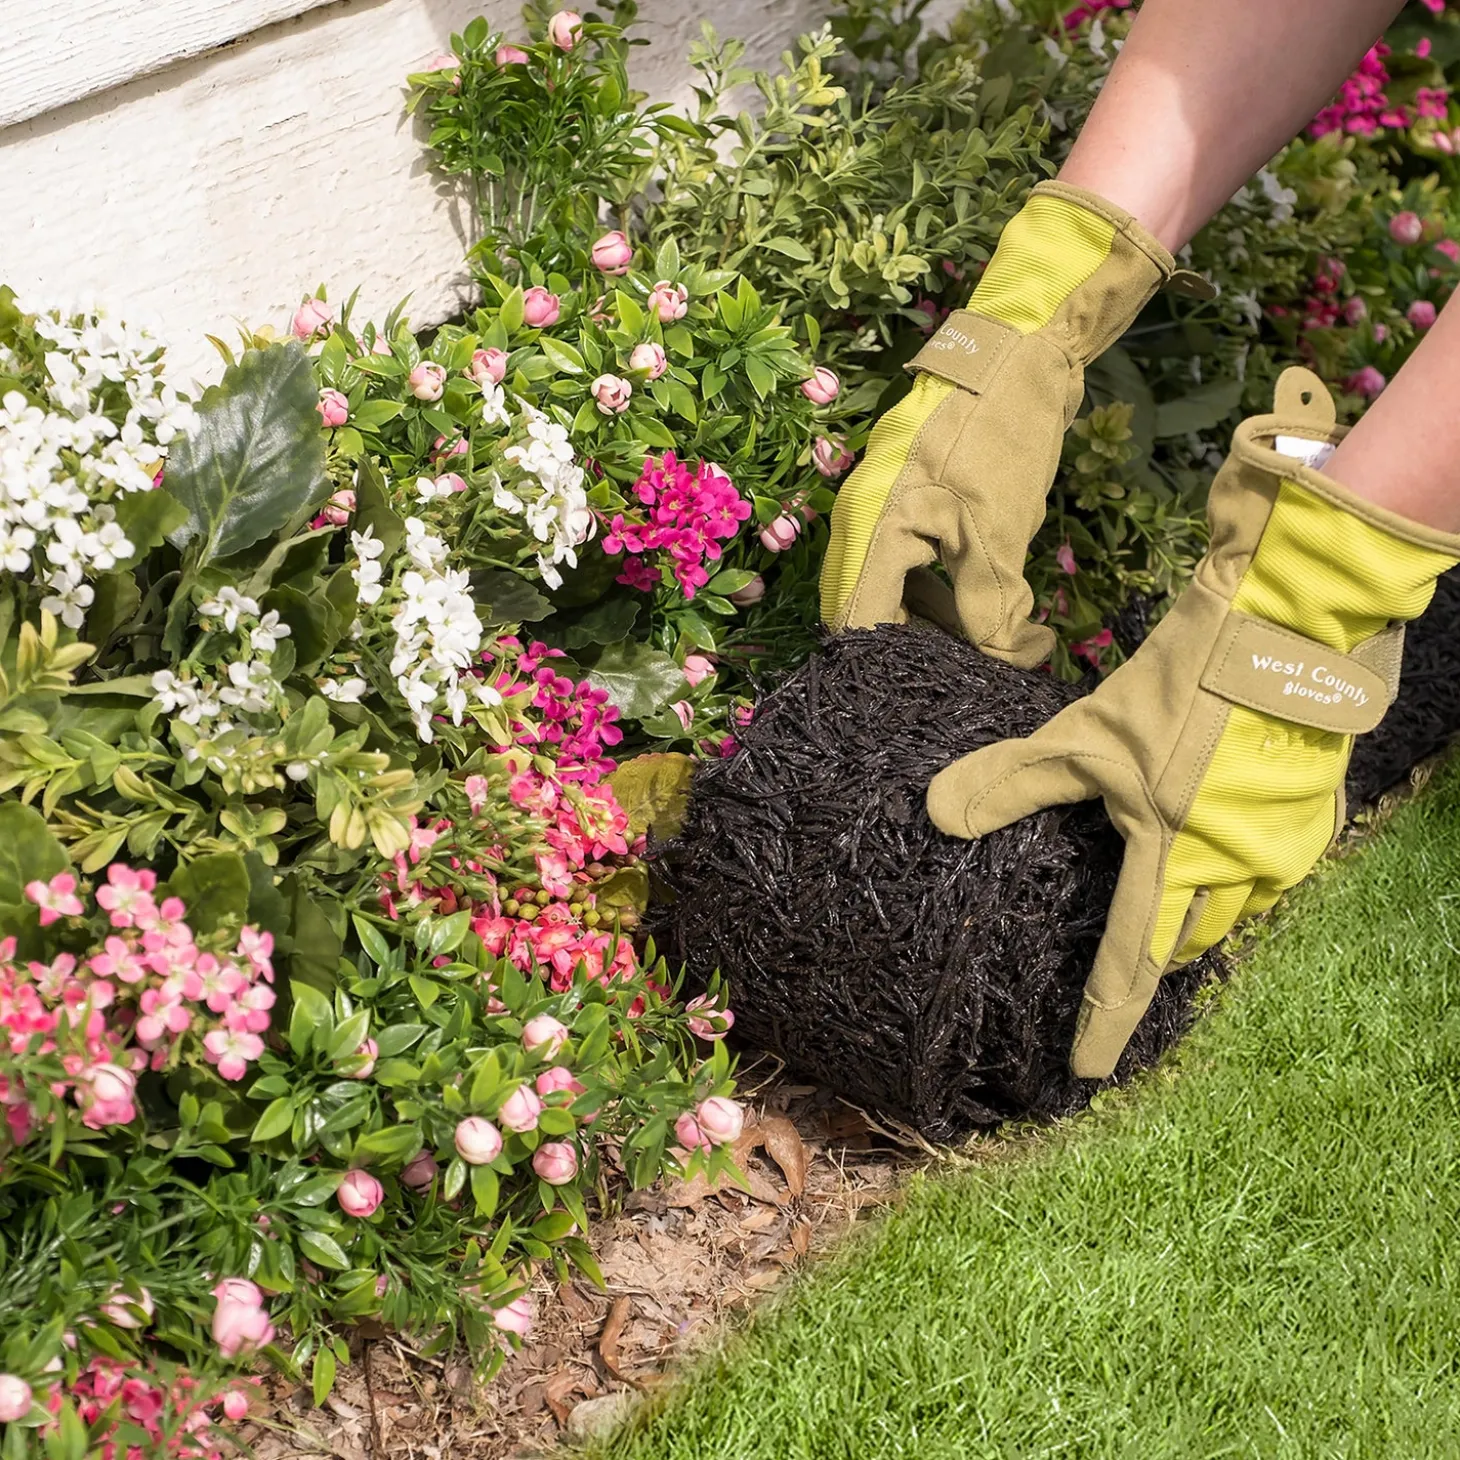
{"x": 959, "y": 469}
{"x": 1220, "y": 748}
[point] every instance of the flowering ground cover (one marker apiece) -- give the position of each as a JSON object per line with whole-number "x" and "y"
{"x": 336, "y": 704}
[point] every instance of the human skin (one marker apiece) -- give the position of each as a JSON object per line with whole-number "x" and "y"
{"x": 1203, "y": 93}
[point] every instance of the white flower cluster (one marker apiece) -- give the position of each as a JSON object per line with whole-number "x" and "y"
{"x": 549, "y": 494}
{"x": 437, "y": 634}
{"x": 103, "y": 431}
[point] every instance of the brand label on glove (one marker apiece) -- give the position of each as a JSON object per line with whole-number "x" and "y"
{"x": 1281, "y": 673}
{"x": 967, "y": 350}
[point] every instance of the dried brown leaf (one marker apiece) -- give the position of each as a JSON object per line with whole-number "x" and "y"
{"x": 782, "y": 1142}
{"x": 608, "y": 1340}
{"x": 801, "y": 1238}
{"x": 559, "y": 1387}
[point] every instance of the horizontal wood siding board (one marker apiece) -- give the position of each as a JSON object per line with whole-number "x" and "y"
{"x": 62, "y": 50}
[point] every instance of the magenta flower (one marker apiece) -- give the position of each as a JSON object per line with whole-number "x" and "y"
{"x": 1406, "y": 228}
{"x": 1367, "y": 382}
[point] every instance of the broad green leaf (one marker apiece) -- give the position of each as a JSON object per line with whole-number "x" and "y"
{"x": 507, "y": 598}
{"x": 1198, "y": 410}
{"x": 28, "y": 851}
{"x": 638, "y": 679}
{"x": 323, "y": 1376}
{"x": 562, "y": 354}
{"x": 275, "y": 1120}
{"x": 654, "y": 790}
{"x": 147, "y": 518}
{"x": 373, "y": 511}
{"x": 214, "y": 889}
{"x": 605, "y": 622}
{"x": 788, "y": 247}
{"x": 320, "y": 1247}
{"x": 255, "y": 458}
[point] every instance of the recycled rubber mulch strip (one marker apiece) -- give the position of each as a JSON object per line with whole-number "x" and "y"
{"x": 932, "y": 979}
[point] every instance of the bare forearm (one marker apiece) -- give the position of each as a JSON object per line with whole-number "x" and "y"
{"x": 1206, "y": 91}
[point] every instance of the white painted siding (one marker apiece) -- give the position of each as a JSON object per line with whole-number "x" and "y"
{"x": 225, "y": 185}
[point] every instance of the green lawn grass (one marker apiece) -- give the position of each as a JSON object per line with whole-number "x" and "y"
{"x": 1257, "y": 1257}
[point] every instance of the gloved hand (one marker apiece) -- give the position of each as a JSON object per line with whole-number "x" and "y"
{"x": 1220, "y": 747}
{"x": 961, "y": 466}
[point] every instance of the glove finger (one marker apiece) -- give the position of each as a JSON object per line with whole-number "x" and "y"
{"x": 1000, "y": 784}
{"x": 1224, "y": 908}
{"x": 878, "y": 595}
{"x": 1123, "y": 981}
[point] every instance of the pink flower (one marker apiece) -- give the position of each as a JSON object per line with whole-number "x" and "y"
{"x": 612, "y": 393}
{"x": 1421, "y": 314}
{"x": 540, "y": 308}
{"x": 313, "y": 317}
{"x": 15, "y": 1398}
{"x": 127, "y": 894}
{"x": 697, "y": 668}
{"x": 612, "y": 253}
{"x": 1449, "y": 247}
{"x": 448, "y": 483}
{"x": 565, "y": 29}
{"x": 370, "y": 1050}
{"x": 1065, "y": 557}
{"x": 556, "y": 1162}
{"x": 830, "y": 457}
{"x": 1355, "y": 310}
{"x": 240, "y": 1328}
{"x": 239, "y": 1290}
{"x": 419, "y": 1173}
{"x": 231, "y": 1050}
{"x": 516, "y": 1317}
{"x": 478, "y": 1141}
{"x": 544, "y": 1036}
{"x": 427, "y": 381}
{"x": 669, "y": 301}
{"x": 689, "y": 1135}
{"x": 1367, "y": 382}
{"x": 684, "y": 712}
{"x": 444, "y": 450}
{"x": 1380, "y": 332}
{"x": 339, "y": 508}
{"x": 125, "y": 1311}
{"x": 558, "y": 1078}
{"x": 650, "y": 358}
{"x": 520, "y": 1110}
{"x": 359, "y": 1194}
{"x": 105, "y": 1093}
{"x": 488, "y": 366}
{"x": 235, "y": 1404}
{"x": 510, "y": 55}
{"x": 706, "y": 1021}
{"x": 1406, "y": 229}
{"x": 333, "y": 408}
{"x": 720, "y": 1119}
{"x": 56, "y": 898}
{"x": 823, "y": 387}
{"x": 781, "y": 534}
{"x": 753, "y": 592}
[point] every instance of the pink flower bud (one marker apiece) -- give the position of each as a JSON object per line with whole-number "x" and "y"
{"x": 418, "y": 1174}
{"x": 669, "y": 301}
{"x": 540, "y": 308}
{"x": 689, "y": 1135}
{"x": 239, "y": 1290}
{"x": 706, "y": 1021}
{"x": 612, "y": 393}
{"x": 125, "y": 1311}
{"x": 449, "y": 482}
{"x": 240, "y": 1328}
{"x": 489, "y": 365}
{"x": 359, "y": 1194}
{"x": 697, "y": 668}
{"x": 1367, "y": 382}
{"x": 649, "y": 358}
{"x": 830, "y": 458}
{"x": 1406, "y": 229}
{"x": 558, "y": 1078}
{"x": 612, "y": 253}
{"x": 15, "y": 1398}
{"x": 781, "y": 534}
{"x": 444, "y": 450}
{"x": 823, "y": 387}
{"x": 720, "y": 1119}
{"x": 684, "y": 712}
{"x": 1381, "y": 332}
{"x": 235, "y": 1404}
{"x": 516, "y": 1317}
{"x": 313, "y": 317}
{"x": 478, "y": 1141}
{"x": 333, "y": 408}
{"x": 753, "y": 592}
{"x": 510, "y": 56}
{"x": 1064, "y": 555}
{"x": 520, "y": 1110}
{"x": 339, "y": 508}
{"x": 446, "y": 61}
{"x": 1421, "y": 314}
{"x": 1355, "y": 310}
{"x": 565, "y": 29}
{"x": 556, "y": 1162}
{"x": 370, "y": 1050}
{"x": 544, "y": 1036}
{"x": 1448, "y": 246}
{"x": 427, "y": 381}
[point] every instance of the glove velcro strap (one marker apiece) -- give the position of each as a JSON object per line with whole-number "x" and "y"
{"x": 1294, "y": 678}
{"x": 966, "y": 351}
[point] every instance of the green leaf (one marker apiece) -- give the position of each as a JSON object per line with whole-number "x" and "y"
{"x": 312, "y": 1013}
{"x": 255, "y": 458}
{"x": 275, "y": 1120}
{"x": 1114, "y": 376}
{"x": 394, "y": 1143}
{"x": 320, "y": 1247}
{"x": 214, "y": 889}
{"x": 562, "y": 354}
{"x": 397, "y": 1038}
{"x": 787, "y": 247}
{"x": 28, "y": 851}
{"x": 654, "y": 791}
{"x": 1199, "y": 410}
{"x": 484, "y": 1190}
{"x": 267, "y": 909}
{"x": 637, "y": 679}
{"x": 147, "y": 518}
{"x": 553, "y": 1227}
{"x": 507, "y": 598}
{"x": 606, "y": 622}
{"x": 315, "y": 957}
{"x": 323, "y": 1378}
{"x": 117, "y": 599}
{"x": 373, "y": 511}
{"x": 374, "y": 413}
{"x": 730, "y": 580}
